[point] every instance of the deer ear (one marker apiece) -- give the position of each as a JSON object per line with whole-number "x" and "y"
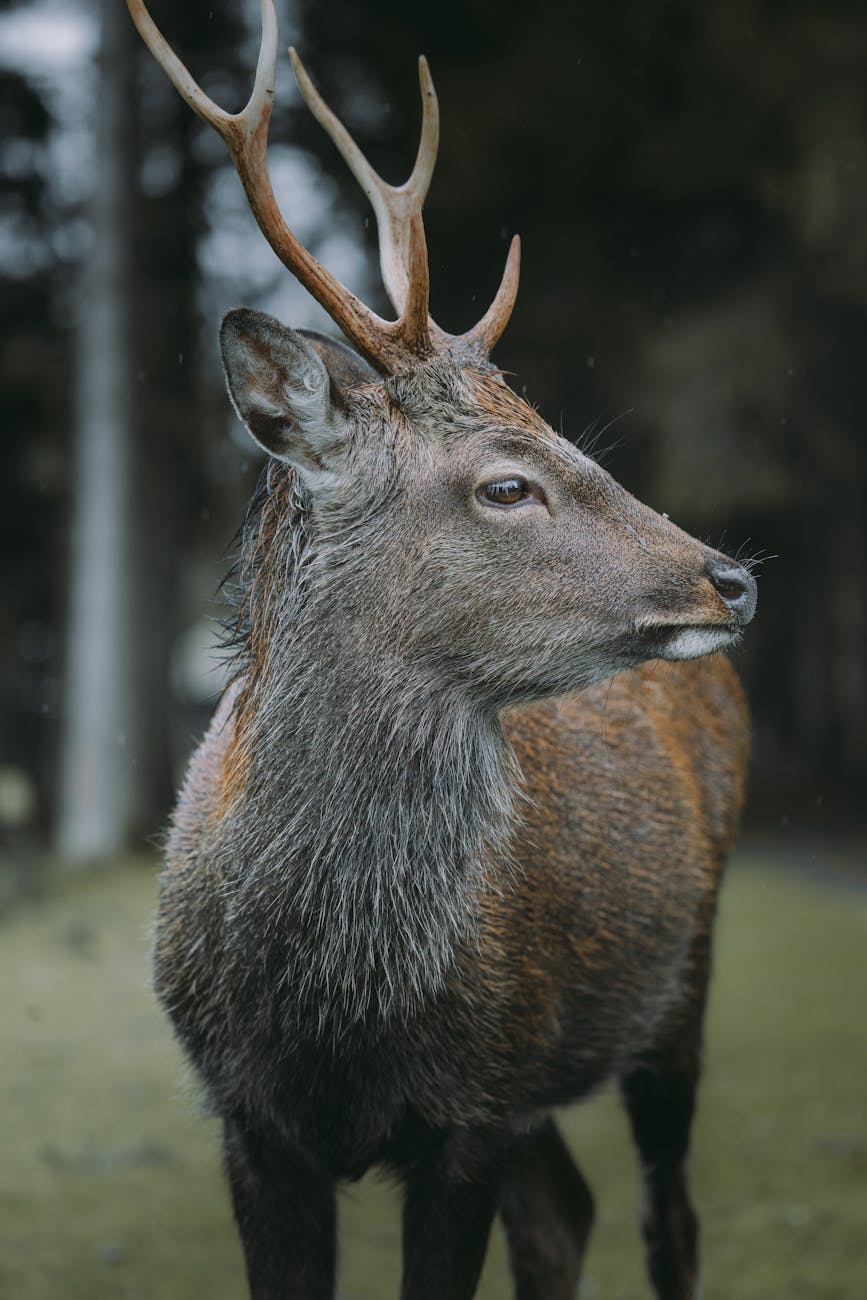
{"x": 346, "y": 368}
{"x": 281, "y": 389}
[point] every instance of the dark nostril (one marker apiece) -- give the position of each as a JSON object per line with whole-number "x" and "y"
{"x": 730, "y": 588}
{"x": 735, "y": 585}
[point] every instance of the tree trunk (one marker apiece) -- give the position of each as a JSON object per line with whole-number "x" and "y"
{"x": 97, "y": 778}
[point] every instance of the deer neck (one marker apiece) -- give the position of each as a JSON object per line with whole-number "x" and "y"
{"x": 374, "y": 806}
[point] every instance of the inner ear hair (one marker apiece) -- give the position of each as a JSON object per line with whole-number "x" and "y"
{"x": 346, "y": 368}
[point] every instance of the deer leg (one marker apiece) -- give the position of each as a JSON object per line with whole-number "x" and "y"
{"x": 660, "y": 1107}
{"x": 285, "y": 1216}
{"x": 547, "y": 1211}
{"x": 660, "y": 1098}
{"x": 451, "y": 1199}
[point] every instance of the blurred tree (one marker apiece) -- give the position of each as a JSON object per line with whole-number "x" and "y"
{"x": 101, "y": 741}
{"x": 134, "y": 465}
{"x": 31, "y": 485}
{"x": 168, "y": 222}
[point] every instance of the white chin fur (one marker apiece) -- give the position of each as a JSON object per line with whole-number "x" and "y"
{"x": 693, "y": 642}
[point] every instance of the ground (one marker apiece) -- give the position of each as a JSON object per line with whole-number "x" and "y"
{"x": 110, "y": 1183}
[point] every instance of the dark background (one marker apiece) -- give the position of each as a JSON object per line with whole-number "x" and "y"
{"x": 690, "y": 184}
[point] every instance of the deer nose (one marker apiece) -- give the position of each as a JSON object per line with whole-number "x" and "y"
{"x": 736, "y": 586}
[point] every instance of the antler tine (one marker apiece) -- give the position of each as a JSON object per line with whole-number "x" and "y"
{"x": 177, "y": 73}
{"x": 227, "y": 125}
{"x": 414, "y": 325}
{"x": 480, "y": 341}
{"x": 393, "y": 205}
{"x": 429, "y": 142}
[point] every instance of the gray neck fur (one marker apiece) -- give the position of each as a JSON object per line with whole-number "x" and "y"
{"x": 375, "y": 801}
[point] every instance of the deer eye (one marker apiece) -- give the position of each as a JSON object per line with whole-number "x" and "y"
{"x": 504, "y": 492}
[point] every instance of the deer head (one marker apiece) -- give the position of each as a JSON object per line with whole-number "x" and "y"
{"x": 447, "y": 526}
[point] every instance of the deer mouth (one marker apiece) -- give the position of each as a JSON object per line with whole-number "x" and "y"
{"x": 691, "y": 641}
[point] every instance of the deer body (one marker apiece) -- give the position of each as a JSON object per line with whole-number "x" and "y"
{"x": 412, "y": 902}
{"x": 571, "y": 953}
{"x": 448, "y": 856}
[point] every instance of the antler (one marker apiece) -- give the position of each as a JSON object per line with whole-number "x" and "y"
{"x": 391, "y": 346}
{"x": 393, "y": 205}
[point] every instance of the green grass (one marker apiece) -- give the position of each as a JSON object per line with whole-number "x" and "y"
{"x": 110, "y": 1183}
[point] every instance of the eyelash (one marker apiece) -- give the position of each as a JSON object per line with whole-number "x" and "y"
{"x": 504, "y": 492}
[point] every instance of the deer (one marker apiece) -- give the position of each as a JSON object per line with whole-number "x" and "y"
{"x": 448, "y": 856}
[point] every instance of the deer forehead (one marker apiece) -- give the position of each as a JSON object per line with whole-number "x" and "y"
{"x": 442, "y": 419}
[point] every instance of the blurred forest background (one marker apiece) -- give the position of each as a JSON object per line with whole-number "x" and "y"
{"x": 690, "y": 183}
